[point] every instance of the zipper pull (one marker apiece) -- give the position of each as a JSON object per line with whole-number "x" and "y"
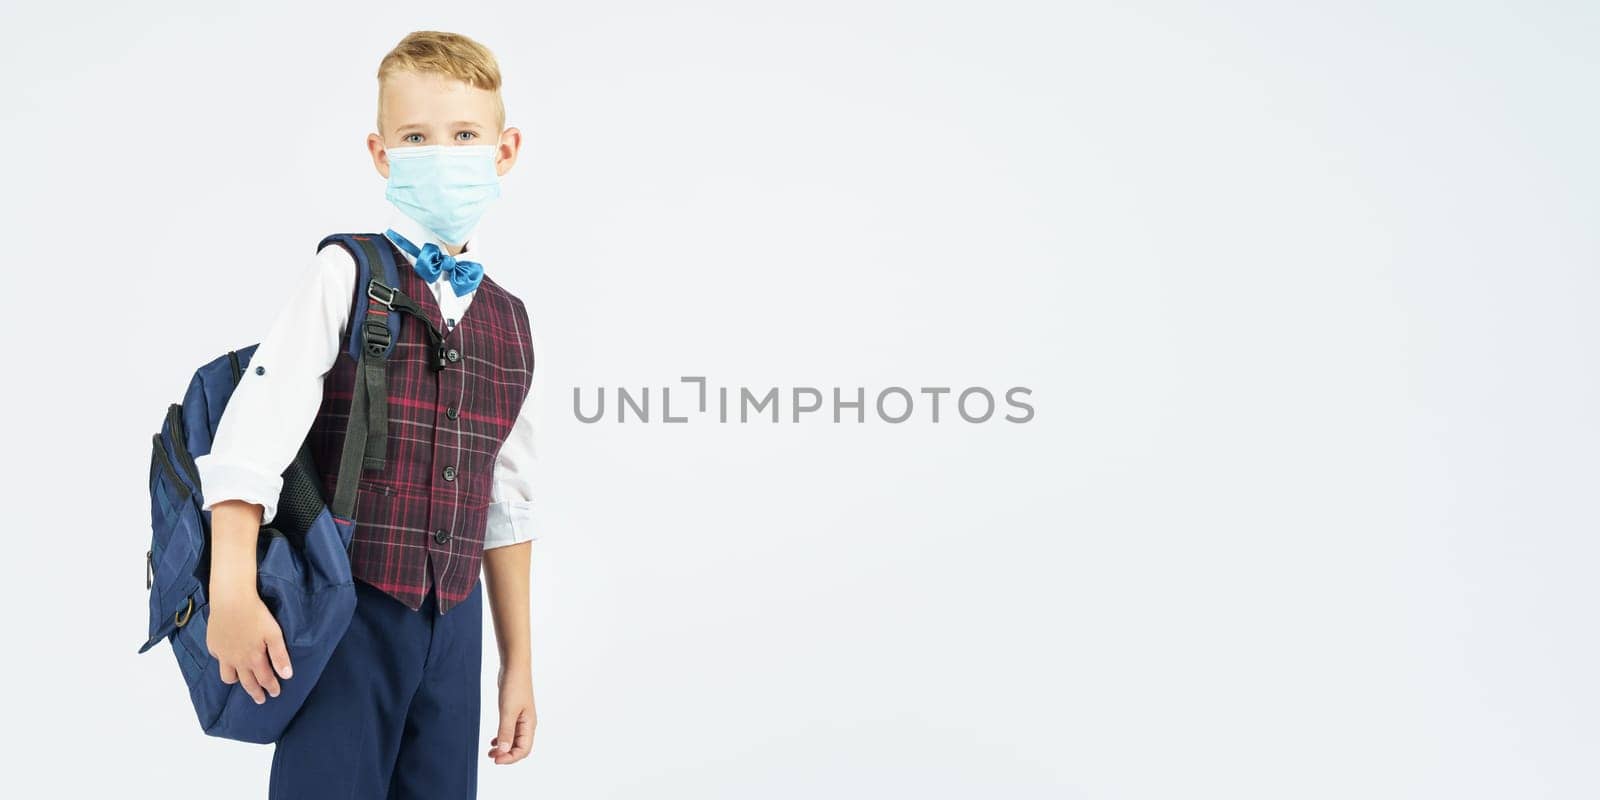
{"x": 149, "y": 568}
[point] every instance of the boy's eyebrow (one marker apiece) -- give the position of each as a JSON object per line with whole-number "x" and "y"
{"x": 466, "y": 122}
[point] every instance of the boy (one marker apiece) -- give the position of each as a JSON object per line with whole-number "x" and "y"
{"x": 396, "y": 711}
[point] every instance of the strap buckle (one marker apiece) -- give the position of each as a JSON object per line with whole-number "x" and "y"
{"x": 374, "y": 287}
{"x": 375, "y": 328}
{"x": 375, "y": 335}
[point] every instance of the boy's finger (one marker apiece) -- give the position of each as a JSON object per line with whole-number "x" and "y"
{"x": 229, "y": 674}
{"x": 524, "y": 741}
{"x": 264, "y": 674}
{"x": 279, "y": 655}
{"x": 247, "y": 679}
{"x": 508, "y": 729}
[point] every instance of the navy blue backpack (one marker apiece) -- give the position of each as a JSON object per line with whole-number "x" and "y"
{"x": 303, "y": 554}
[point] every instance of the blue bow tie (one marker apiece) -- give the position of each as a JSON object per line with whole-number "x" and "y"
{"x": 432, "y": 262}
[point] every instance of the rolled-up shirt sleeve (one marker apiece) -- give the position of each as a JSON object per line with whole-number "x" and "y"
{"x": 272, "y": 409}
{"x": 511, "y": 495}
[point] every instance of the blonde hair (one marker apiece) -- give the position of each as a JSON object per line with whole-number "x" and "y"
{"x": 449, "y": 54}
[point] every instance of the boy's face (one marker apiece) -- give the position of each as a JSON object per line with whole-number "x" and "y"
{"x": 419, "y": 109}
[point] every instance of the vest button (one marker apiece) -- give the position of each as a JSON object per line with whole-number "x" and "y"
{"x": 453, "y": 355}
{"x": 452, "y": 412}
{"x": 450, "y": 472}
{"x": 441, "y": 536}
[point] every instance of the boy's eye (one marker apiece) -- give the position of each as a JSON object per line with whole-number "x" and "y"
{"x": 470, "y": 135}
{"x": 408, "y": 136}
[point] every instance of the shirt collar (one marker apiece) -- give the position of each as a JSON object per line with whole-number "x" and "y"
{"x": 471, "y": 250}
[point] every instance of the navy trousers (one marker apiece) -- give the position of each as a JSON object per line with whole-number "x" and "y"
{"x": 394, "y": 715}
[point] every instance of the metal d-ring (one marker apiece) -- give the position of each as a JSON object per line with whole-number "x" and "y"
{"x": 182, "y": 617}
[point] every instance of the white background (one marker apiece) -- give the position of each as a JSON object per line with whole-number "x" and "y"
{"x": 1304, "y": 294}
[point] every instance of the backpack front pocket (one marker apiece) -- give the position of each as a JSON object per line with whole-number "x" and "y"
{"x": 174, "y": 588}
{"x": 177, "y": 540}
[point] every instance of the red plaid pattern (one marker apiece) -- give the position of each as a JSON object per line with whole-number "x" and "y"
{"x": 424, "y": 517}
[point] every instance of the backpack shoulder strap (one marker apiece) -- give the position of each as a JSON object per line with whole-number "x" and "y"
{"x": 374, "y": 329}
{"x": 374, "y": 258}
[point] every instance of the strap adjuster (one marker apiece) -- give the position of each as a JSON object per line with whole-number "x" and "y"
{"x": 375, "y": 335}
{"x": 375, "y": 288}
{"x": 375, "y": 328}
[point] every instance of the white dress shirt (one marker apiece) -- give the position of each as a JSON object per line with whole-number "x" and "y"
{"x": 268, "y": 415}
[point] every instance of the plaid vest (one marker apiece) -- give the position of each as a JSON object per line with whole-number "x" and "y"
{"x": 421, "y": 521}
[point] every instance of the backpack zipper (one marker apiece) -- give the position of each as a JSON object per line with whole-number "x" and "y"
{"x": 160, "y": 457}
{"x": 149, "y": 568}
{"x": 180, "y": 443}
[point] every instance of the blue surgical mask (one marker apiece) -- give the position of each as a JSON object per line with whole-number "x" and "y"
{"x": 445, "y": 188}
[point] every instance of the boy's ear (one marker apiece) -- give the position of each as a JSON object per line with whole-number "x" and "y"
{"x": 510, "y": 145}
{"x": 380, "y": 155}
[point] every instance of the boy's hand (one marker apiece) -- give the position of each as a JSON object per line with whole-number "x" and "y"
{"x": 243, "y": 634}
{"x": 517, "y": 717}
